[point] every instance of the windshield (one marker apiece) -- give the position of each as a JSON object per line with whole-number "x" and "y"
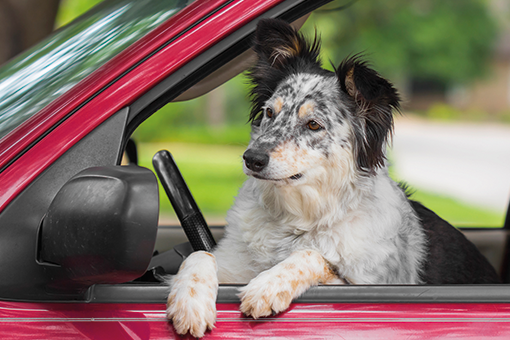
{"x": 41, "y": 74}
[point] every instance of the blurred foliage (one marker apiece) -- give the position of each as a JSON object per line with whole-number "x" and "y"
{"x": 505, "y": 116}
{"x": 458, "y": 213}
{"x": 445, "y": 112}
{"x": 186, "y": 121}
{"x": 232, "y": 134}
{"x": 213, "y": 174}
{"x": 444, "y": 41}
{"x": 71, "y": 9}
{"x": 448, "y": 41}
{"x": 441, "y": 111}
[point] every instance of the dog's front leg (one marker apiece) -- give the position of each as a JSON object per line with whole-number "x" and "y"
{"x": 273, "y": 290}
{"x": 192, "y": 300}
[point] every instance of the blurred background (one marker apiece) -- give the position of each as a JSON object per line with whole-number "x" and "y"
{"x": 450, "y": 60}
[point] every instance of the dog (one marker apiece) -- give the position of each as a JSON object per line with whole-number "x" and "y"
{"x": 319, "y": 206}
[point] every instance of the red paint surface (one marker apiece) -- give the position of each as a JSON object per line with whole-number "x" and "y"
{"x": 301, "y": 321}
{"x": 185, "y": 48}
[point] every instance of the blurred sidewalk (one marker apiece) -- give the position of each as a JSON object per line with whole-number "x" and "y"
{"x": 467, "y": 161}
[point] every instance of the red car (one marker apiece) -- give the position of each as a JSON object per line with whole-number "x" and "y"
{"x": 78, "y": 231}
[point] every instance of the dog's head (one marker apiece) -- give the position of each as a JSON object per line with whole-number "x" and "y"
{"x": 307, "y": 121}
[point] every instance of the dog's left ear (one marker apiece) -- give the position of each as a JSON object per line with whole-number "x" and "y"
{"x": 277, "y": 43}
{"x": 375, "y": 98}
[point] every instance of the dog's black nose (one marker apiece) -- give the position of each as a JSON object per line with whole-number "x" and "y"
{"x": 255, "y": 160}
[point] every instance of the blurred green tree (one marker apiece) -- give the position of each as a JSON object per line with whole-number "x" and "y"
{"x": 446, "y": 41}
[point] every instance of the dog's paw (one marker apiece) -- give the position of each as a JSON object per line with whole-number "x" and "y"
{"x": 191, "y": 303}
{"x": 265, "y": 295}
{"x": 273, "y": 290}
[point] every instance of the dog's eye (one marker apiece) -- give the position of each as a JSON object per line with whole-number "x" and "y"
{"x": 313, "y": 125}
{"x": 269, "y": 113}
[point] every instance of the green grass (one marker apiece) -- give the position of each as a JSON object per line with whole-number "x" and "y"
{"x": 214, "y": 175}
{"x": 458, "y": 213}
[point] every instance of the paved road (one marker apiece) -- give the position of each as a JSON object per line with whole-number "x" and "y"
{"x": 468, "y": 161}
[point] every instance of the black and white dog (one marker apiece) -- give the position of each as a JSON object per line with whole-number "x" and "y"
{"x": 319, "y": 206}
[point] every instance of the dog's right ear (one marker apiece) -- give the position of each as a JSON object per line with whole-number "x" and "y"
{"x": 374, "y": 99}
{"x": 281, "y": 51}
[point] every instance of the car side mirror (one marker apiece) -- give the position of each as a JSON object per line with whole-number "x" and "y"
{"x": 101, "y": 227}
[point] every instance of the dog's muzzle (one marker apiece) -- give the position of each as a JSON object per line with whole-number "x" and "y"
{"x": 255, "y": 160}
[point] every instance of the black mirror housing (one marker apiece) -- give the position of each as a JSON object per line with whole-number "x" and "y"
{"x": 101, "y": 227}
